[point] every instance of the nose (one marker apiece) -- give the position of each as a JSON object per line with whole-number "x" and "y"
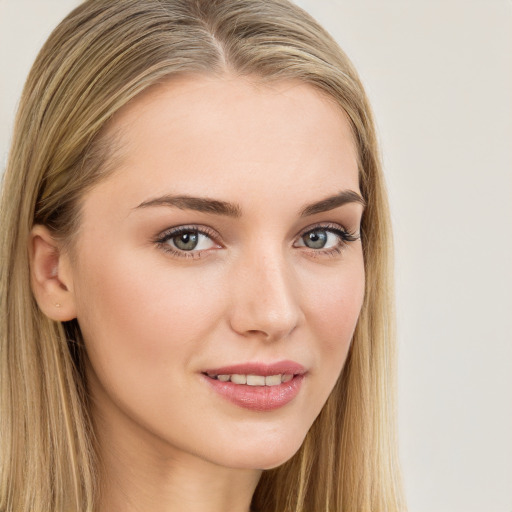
{"x": 264, "y": 298}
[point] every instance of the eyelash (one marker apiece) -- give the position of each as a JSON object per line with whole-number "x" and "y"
{"x": 174, "y": 232}
{"x": 345, "y": 237}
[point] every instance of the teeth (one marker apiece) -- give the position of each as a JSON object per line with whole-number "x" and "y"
{"x": 239, "y": 379}
{"x": 254, "y": 380}
{"x": 273, "y": 380}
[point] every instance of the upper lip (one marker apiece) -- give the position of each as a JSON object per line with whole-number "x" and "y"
{"x": 256, "y": 368}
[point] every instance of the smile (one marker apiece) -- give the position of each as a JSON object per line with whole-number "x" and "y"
{"x": 257, "y": 386}
{"x": 254, "y": 380}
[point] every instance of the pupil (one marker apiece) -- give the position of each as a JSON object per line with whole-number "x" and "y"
{"x": 316, "y": 239}
{"x": 186, "y": 241}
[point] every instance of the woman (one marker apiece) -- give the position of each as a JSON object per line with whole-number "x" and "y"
{"x": 201, "y": 320}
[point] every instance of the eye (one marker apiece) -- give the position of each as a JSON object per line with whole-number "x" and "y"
{"x": 320, "y": 239}
{"x": 186, "y": 241}
{"x": 189, "y": 240}
{"x": 326, "y": 239}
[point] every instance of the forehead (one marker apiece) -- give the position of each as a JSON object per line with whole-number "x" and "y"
{"x": 229, "y": 135}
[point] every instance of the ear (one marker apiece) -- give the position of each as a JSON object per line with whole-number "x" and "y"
{"x": 50, "y": 276}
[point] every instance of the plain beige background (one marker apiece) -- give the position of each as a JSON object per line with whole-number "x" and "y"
{"x": 439, "y": 74}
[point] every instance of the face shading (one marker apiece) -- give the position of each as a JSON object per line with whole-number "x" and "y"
{"x": 218, "y": 272}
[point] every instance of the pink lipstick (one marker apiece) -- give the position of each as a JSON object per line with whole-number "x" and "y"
{"x": 257, "y": 386}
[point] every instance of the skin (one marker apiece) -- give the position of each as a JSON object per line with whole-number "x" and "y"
{"x": 152, "y": 321}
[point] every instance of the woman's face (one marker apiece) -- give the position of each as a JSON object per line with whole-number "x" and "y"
{"x": 226, "y": 243}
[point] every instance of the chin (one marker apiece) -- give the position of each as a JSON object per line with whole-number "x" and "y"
{"x": 262, "y": 455}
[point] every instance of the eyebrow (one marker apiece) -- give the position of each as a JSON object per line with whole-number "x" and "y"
{"x": 200, "y": 204}
{"x": 207, "y": 205}
{"x": 332, "y": 202}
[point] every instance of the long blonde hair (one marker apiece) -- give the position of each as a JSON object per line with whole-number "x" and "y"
{"x": 99, "y": 58}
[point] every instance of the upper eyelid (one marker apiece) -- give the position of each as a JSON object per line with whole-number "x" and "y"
{"x": 334, "y": 227}
{"x": 325, "y": 225}
{"x": 204, "y": 230}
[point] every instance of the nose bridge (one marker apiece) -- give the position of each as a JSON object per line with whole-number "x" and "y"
{"x": 265, "y": 300}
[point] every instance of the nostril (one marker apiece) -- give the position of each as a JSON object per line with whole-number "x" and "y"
{"x": 264, "y": 304}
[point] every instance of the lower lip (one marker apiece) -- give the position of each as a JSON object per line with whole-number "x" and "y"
{"x": 257, "y": 398}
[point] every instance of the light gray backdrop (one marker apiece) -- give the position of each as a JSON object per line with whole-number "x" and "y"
{"x": 439, "y": 74}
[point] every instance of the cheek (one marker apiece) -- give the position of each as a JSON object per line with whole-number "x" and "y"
{"x": 144, "y": 312}
{"x": 143, "y": 324}
{"x": 335, "y": 305}
{"x": 333, "y": 309}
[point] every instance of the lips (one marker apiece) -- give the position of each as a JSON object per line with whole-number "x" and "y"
{"x": 257, "y": 386}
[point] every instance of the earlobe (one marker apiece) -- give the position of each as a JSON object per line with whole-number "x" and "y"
{"x": 49, "y": 276}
